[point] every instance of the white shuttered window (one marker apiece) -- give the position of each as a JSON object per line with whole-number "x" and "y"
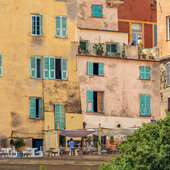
{"x": 168, "y": 27}
{"x": 168, "y": 74}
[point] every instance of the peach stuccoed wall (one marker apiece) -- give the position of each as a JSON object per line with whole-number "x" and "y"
{"x": 109, "y": 20}
{"x": 122, "y": 87}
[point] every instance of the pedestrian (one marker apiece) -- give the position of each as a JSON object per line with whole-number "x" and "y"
{"x": 91, "y": 145}
{"x": 71, "y": 145}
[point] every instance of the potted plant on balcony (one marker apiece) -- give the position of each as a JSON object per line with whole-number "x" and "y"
{"x": 111, "y": 140}
{"x": 80, "y": 50}
{"x": 99, "y": 49}
{"x": 151, "y": 57}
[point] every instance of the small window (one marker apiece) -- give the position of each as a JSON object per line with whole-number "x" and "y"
{"x": 36, "y": 24}
{"x": 168, "y": 74}
{"x": 61, "y": 26}
{"x": 168, "y": 27}
{"x": 36, "y": 67}
{"x": 94, "y": 101}
{"x": 95, "y": 69}
{"x": 0, "y": 64}
{"x": 144, "y": 73}
{"x": 145, "y": 105}
{"x": 168, "y": 104}
{"x": 36, "y": 108}
{"x": 111, "y": 49}
{"x": 83, "y": 45}
{"x": 59, "y": 116}
{"x": 97, "y": 10}
{"x": 136, "y": 33}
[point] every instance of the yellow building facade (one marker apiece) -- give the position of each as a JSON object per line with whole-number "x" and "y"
{"x": 38, "y": 72}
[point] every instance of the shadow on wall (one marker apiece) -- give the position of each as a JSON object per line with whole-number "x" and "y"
{"x": 3, "y": 140}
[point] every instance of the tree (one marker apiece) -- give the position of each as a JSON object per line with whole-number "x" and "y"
{"x": 148, "y": 148}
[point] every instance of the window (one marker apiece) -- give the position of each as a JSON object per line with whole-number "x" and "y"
{"x": 95, "y": 69}
{"x": 168, "y": 104}
{"x": 59, "y": 116}
{"x": 36, "y": 24}
{"x": 55, "y": 68}
{"x": 61, "y": 26}
{"x": 136, "y": 33}
{"x": 94, "y": 101}
{"x": 155, "y": 35}
{"x": 144, "y": 73}
{"x": 83, "y": 45}
{"x": 168, "y": 74}
{"x": 168, "y": 27}
{"x": 97, "y": 10}
{"x": 145, "y": 105}
{"x": 0, "y": 64}
{"x": 36, "y": 67}
{"x": 36, "y": 108}
{"x": 111, "y": 49}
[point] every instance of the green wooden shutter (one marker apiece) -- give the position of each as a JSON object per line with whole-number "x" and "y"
{"x": 90, "y": 105}
{"x": 101, "y": 69}
{"x": 33, "y": 107}
{"x": 64, "y": 68}
{"x": 58, "y": 26}
{"x": 142, "y": 72}
{"x": 113, "y": 48}
{"x": 33, "y": 66}
{"x": 57, "y": 116}
{"x": 52, "y": 67}
{"x": 46, "y": 67}
{"x": 89, "y": 68}
{"x": 142, "y": 104}
{"x": 147, "y": 73}
{"x": 41, "y": 24}
{"x": 94, "y": 10}
{"x": 62, "y": 121}
{"x": 147, "y": 105}
{"x": 42, "y": 111}
{"x": 99, "y": 10}
{"x": 0, "y": 65}
{"x": 64, "y": 26}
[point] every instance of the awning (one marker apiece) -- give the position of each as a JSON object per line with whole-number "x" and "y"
{"x": 76, "y": 133}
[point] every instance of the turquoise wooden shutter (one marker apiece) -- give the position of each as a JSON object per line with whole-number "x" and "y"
{"x": 52, "y": 67}
{"x": 41, "y": 24}
{"x": 142, "y": 104}
{"x": 62, "y": 121}
{"x": 142, "y": 72}
{"x": 147, "y": 105}
{"x": 46, "y": 67}
{"x": 0, "y": 65}
{"x": 147, "y": 73}
{"x": 33, "y": 67}
{"x": 113, "y": 48}
{"x": 101, "y": 69}
{"x": 89, "y": 68}
{"x": 90, "y": 105}
{"x": 42, "y": 108}
{"x": 64, "y": 26}
{"x": 57, "y": 116}
{"x": 58, "y": 26}
{"x": 100, "y": 10}
{"x": 155, "y": 35}
{"x": 64, "y": 68}
{"x": 94, "y": 10}
{"x": 32, "y": 107}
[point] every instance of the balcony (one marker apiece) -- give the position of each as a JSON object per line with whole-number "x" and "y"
{"x": 116, "y": 50}
{"x": 114, "y": 3}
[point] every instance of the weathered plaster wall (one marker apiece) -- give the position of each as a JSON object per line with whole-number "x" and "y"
{"x": 121, "y": 86}
{"x": 109, "y": 20}
{"x": 16, "y": 46}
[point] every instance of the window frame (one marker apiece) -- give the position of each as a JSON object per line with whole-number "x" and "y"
{"x": 167, "y": 79}
{"x": 61, "y": 26}
{"x": 97, "y": 12}
{"x": 40, "y": 25}
{"x": 145, "y": 73}
{"x": 168, "y": 27}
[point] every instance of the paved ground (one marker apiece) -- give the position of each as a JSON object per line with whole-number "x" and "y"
{"x": 58, "y": 163}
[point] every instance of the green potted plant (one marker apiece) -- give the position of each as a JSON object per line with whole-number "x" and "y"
{"x": 99, "y": 49}
{"x": 19, "y": 143}
{"x": 111, "y": 140}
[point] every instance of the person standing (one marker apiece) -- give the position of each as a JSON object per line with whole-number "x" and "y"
{"x": 71, "y": 145}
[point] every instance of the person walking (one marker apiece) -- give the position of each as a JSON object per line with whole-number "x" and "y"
{"x": 71, "y": 145}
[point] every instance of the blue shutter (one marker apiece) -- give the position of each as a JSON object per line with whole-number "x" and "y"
{"x": 142, "y": 72}
{"x": 100, "y": 11}
{"x": 41, "y": 24}
{"x": 94, "y": 10}
{"x": 58, "y": 26}
{"x": 142, "y": 104}
{"x": 90, "y": 105}
{"x": 0, "y": 65}
{"x": 89, "y": 68}
{"x": 33, "y": 66}
{"x": 32, "y": 107}
{"x": 62, "y": 121}
{"x": 155, "y": 35}
{"x": 64, "y": 26}
{"x": 42, "y": 107}
{"x": 57, "y": 116}
{"x": 101, "y": 69}
{"x": 147, "y": 73}
{"x": 46, "y": 67}
{"x": 147, "y": 105}
{"x": 52, "y": 67}
{"x": 64, "y": 68}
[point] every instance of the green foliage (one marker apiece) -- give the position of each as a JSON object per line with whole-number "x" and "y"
{"x": 112, "y": 139}
{"x": 148, "y": 148}
{"x": 19, "y": 142}
{"x": 98, "y": 48}
{"x": 12, "y": 142}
